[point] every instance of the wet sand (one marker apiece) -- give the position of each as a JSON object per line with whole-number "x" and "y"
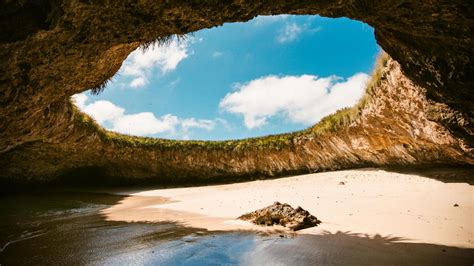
{"x": 92, "y": 228}
{"x": 406, "y": 208}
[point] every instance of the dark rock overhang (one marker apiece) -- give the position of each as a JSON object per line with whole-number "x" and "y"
{"x": 54, "y": 49}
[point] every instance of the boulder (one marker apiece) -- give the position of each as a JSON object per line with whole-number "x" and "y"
{"x": 282, "y": 214}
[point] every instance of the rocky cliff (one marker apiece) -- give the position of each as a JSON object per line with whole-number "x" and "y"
{"x": 419, "y": 108}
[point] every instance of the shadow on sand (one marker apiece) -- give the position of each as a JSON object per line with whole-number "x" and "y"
{"x": 446, "y": 174}
{"x": 69, "y": 229}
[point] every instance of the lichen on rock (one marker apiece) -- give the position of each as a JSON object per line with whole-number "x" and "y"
{"x": 282, "y": 214}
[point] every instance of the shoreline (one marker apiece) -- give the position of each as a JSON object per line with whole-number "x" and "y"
{"x": 371, "y": 202}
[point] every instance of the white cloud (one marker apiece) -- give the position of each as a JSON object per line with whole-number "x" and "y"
{"x": 289, "y": 33}
{"x": 80, "y": 100}
{"x": 138, "y": 82}
{"x": 189, "y": 123}
{"x": 291, "y": 27}
{"x": 301, "y": 99}
{"x": 103, "y": 111}
{"x": 141, "y": 65}
{"x": 266, "y": 20}
{"x": 143, "y": 123}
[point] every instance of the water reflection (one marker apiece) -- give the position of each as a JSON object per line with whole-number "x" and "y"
{"x": 67, "y": 228}
{"x": 216, "y": 249}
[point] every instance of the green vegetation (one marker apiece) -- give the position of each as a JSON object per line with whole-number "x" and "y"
{"x": 344, "y": 117}
{"x": 340, "y": 119}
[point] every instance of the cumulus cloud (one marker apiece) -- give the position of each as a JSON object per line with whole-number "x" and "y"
{"x": 103, "y": 111}
{"x": 140, "y": 124}
{"x": 301, "y": 99}
{"x": 80, "y": 100}
{"x": 141, "y": 65}
{"x": 145, "y": 123}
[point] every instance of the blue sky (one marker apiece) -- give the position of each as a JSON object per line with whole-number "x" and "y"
{"x": 266, "y": 76}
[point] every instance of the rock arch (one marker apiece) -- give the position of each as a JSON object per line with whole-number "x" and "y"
{"x": 53, "y": 49}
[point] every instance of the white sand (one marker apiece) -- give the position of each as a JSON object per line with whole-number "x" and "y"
{"x": 371, "y": 202}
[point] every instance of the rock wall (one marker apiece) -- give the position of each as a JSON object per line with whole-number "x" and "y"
{"x": 420, "y": 113}
{"x": 393, "y": 128}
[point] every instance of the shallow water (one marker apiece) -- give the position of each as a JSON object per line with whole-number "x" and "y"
{"x": 67, "y": 228}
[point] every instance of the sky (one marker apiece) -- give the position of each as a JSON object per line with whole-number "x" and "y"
{"x": 273, "y": 74}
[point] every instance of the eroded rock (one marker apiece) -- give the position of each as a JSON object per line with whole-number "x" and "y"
{"x": 282, "y": 214}
{"x": 419, "y": 112}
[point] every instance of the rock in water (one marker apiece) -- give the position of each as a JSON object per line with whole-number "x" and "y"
{"x": 282, "y": 214}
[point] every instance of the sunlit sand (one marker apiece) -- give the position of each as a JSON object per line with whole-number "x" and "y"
{"x": 370, "y": 202}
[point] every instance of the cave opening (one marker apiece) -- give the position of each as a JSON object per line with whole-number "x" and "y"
{"x": 270, "y": 75}
{"x": 398, "y": 163}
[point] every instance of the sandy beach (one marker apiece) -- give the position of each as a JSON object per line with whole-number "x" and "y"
{"x": 368, "y": 202}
